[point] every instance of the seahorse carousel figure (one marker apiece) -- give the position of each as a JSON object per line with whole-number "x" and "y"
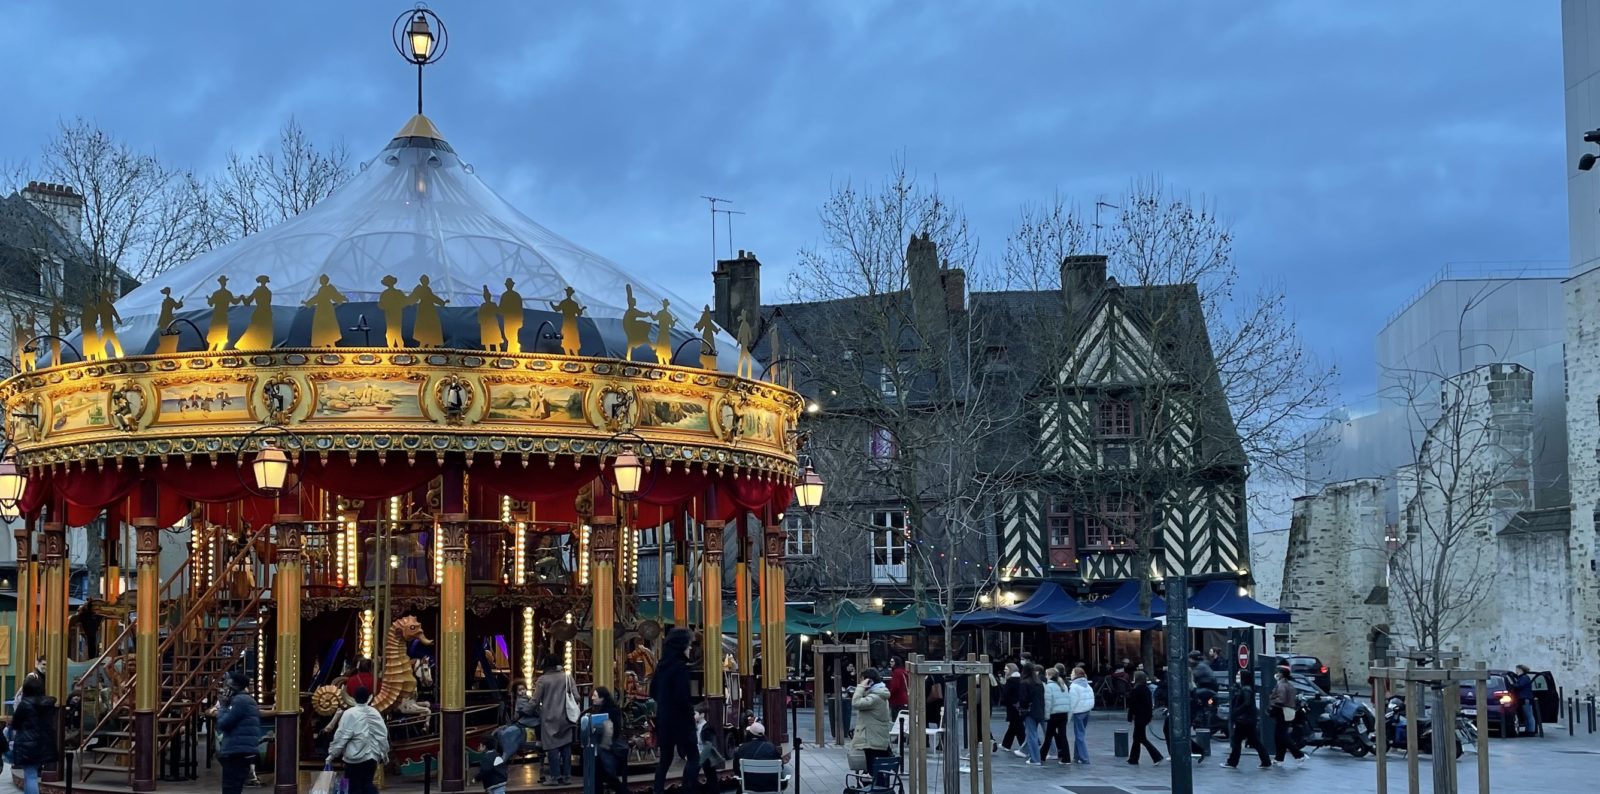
{"x": 397, "y": 690}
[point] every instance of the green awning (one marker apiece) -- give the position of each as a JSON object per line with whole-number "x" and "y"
{"x": 848, "y": 618}
{"x": 797, "y": 621}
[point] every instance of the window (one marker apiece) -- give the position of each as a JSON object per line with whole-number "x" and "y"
{"x": 887, "y": 382}
{"x": 648, "y": 538}
{"x": 801, "y": 529}
{"x": 1113, "y": 419}
{"x": 1113, "y": 525}
{"x": 889, "y": 546}
{"x": 881, "y": 446}
{"x": 1059, "y": 524}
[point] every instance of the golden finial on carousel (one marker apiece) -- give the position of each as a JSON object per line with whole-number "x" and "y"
{"x": 258, "y": 334}
{"x": 489, "y": 336}
{"x": 708, "y": 338}
{"x": 325, "y": 329}
{"x": 107, "y": 310}
{"x": 570, "y": 312}
{"x": 220, "y": 301}
{"x": 635, "y": 328}
{"x": 392, "y": 302}
{"x": 664, "y": 323}
{"x": 511, "y": 316}
{"x": 426, "y": 329}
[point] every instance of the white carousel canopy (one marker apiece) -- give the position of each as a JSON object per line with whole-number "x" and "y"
{"x": 414, "y": 210}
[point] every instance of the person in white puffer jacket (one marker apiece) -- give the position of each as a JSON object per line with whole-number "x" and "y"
{"x": 1080, "y": 701}
{"x": 1058, "y": 704}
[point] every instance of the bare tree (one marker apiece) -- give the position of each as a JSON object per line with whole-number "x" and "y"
{"x": 914, "y": 402}
{"x": 1207, "y": 379}
{"x": 261, "y": 190}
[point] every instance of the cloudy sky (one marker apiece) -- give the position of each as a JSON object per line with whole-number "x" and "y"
{"x": 1356, "y": 147}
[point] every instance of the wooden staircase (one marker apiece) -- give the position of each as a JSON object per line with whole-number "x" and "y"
{"x": 209, "y": 623}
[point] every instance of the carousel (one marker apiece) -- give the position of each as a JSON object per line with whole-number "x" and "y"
{"x": 409, "y": 434}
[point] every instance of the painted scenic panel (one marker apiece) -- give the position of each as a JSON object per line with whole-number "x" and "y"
{"x": 80, "y": 411}
{"x": 674, "y": 412}
{"x": 204, "y": 401}
{"x": 367, "y": 398}
{"x": 761, "y": 426}
{"x": 536, "y": 402}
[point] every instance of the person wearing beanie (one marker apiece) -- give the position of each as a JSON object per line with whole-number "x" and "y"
{"x": 675, "y": 731}
{"x": 239, "y": 722}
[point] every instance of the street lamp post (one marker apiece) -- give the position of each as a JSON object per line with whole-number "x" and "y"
{"x": 420, "y": 38}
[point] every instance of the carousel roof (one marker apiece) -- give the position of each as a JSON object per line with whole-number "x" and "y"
{"x": 414, "y": 211}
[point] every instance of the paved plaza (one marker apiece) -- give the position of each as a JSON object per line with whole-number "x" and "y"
{"x": 1555, "y": 763}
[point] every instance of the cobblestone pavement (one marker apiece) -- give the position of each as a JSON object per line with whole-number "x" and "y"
{"x": 1555, "y": 763}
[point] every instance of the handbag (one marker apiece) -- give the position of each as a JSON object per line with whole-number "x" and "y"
{"x": 573, "y": 711}
{"x": 1287, "y": 712}
{"x": 326, "y": 783}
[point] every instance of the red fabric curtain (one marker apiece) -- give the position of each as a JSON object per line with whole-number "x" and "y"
{"x": 362, "y": 477}
{"x": 552, "y": 490}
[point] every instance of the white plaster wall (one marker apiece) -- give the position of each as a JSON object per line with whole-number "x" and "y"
{"x": 1583, "y": 434}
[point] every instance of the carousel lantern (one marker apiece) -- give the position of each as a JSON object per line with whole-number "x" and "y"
{"x": 13, "y": 483}
{"x": 420, "y": 38}
{"x": 271, "y": 468}
{"x": 9, "y": 511}
{"x": 809, "y": 492}
{"x": 629, "y": 473}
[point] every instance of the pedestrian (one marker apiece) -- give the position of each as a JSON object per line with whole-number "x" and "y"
{"x": 1058, "y": 708}
{"x": 1141, "y": 709}
{"x": 1522, "y": 689}
{"x": 554, "y": 691}
{"x": 239, "y": 722}
{"x": 1081, "y": 703}
{"x": 899, "y": 685}
{"x": 611, "y": 747}
{"x": 757, "y": 748}
{"x": 674, "y": 714}
{"x": 1243, "y": 720}
{"x": 1284, "y": 708}
{"x": 933, "y": 704}
{"x": 1010, "y": 692}
{"x": 1034, "y": 711}
{"x": 711, "y": 759}
{"x": 33, "y": 732}
{"x": 362, "y": 741}
{"x": 871, "y": 705}
{"x": 524, "y": 723}
{"x": 491, "y": 768}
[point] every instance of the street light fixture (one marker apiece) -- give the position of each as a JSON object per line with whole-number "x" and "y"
{"x": 420, "y": 38}
{"x": 629, "y": 473}
{"x": 270, "y": 467}
{"x": 13, "y": 485}
{"x": 809, "y": 492}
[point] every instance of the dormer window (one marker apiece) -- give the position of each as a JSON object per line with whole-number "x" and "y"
{"x": 1113, "y": 419}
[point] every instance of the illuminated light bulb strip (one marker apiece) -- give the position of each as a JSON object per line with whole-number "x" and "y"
{"x": 519, "y": 565}
{"x": 261, "y": 654}
{"x": 352, "y": 555}
{"x": 583, "y": 555}
{"x": 366, "y": 633}
{"x": 438, "y": 556}
{"x": 527, "y": 643}
{"x": 631, "y": 538}
{"x": 568, "y": 654}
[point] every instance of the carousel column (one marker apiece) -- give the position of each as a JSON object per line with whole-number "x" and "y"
{"x": 147, "y": 570}
{"x": 711, "y": 615}
{"x": 453, "y": 660}
{"x": 55, "y": 623}
{"x": 21, "y": 647}
{"x": 286, "y": 589}
{"x": 772, "y": 634}
{"x": 602, "y": 598}
{"x": 741, "y": 606}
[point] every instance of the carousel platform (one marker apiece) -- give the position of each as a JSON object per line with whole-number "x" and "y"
{"x": 522, "y": 778}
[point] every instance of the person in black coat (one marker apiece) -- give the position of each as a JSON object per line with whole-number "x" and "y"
{"x": 1141, "y": 708}
{"x": 1010, "y": 694}
{"x": 1031, "y": 705}
{"x": 1242, "y": 719}
{"x": 675, "y": 731}
{"x": 33, "y": 732}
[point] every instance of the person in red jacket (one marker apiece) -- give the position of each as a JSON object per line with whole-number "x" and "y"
{"x": 899, "y": 686}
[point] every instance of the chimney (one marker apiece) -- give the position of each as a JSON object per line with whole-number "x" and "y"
{"x": 1082, "y": 278}
{"x": 925, "y": 278}
{"x": 61, "y": 203}
{"x": 955, "y": 290}
{"x": 737, "y": 285}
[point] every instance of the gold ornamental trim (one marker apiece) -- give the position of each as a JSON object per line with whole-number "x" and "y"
{"x": 527, "y": 406}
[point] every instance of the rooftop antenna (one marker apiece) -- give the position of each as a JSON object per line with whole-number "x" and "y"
{"x": 714, "y": 202}
{"x": 729, "y": 219}
{"x": 1097, "y": 205}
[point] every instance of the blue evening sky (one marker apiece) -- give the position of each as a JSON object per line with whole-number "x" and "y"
{"x": 1356, "y": 146}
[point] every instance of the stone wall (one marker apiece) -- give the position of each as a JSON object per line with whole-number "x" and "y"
{"x": 1583, "y": 466}
{"x": 1333, "y": 575}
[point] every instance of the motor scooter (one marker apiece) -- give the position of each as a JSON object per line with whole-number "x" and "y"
{"x": 1395, "y": 727}
{"x": 1338, "y": 721}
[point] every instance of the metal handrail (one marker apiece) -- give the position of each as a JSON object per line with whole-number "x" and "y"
{"x": 122, "y": 636}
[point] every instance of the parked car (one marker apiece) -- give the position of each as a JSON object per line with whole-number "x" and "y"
{"x": 1309, "y": 666}
{"x": 1504, "y": 709}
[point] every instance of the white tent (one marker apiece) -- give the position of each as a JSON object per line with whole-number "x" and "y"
{"x": 1201, "y": 619}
